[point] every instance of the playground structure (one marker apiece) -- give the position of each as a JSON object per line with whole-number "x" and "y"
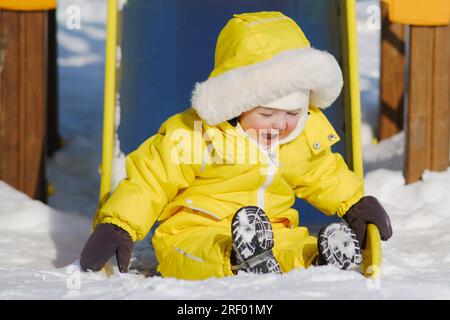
{"x": 427, "y": 116}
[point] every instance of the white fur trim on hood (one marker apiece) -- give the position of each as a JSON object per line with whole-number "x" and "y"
{"x": 229, "y": 94}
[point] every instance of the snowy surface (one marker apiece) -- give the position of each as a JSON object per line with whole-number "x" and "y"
{"x": 40, "y": 244}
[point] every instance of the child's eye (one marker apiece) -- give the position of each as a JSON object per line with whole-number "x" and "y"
{"x": 266, "y": 114}
{"x": 293, "y": 113}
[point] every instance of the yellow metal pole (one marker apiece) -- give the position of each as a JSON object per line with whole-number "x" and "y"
{"x": 353, "y": 82}
{"x": 372, "y": 254}
{"x": 109, "y": 102}
{"x": 109, "y": 111}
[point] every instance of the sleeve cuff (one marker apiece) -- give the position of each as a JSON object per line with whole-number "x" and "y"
{"x": 120, "y": 224}
{"x": 345, "y": 206}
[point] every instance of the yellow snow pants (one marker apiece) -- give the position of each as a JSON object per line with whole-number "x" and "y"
{"x": 192, "y": 246}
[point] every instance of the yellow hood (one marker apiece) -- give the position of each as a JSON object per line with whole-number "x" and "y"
{"x": 262, "y": 57}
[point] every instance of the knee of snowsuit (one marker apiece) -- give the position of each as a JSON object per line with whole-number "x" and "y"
{"x": 202, "y": 250}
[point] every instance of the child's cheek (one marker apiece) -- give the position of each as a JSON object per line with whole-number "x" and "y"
{"x": 290, "y": 126}
{"x": 260, "y": 125}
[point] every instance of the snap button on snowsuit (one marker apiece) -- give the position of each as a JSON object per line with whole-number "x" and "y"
{"x": 331, "y": 137}
{"x": 316, "y": 145}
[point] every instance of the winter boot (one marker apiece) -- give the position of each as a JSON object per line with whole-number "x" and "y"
{"x": 252, "y": 242}
{"x": 339, "y": 247}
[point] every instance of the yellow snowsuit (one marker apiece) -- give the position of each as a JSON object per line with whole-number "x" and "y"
{"x": 198, "y": 170}
{"x": 194, "y": 203}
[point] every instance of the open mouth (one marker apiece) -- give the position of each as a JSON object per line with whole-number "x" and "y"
{"x": 269, "y": 136}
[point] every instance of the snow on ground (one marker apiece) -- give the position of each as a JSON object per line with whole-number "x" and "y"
{"x": 40, "y": 244}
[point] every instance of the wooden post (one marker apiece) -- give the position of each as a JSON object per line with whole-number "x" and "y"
{"x": 392, "y": 75}
{"x": 419, "y": 102}
{"x": 427, "y": 143}
{"x": 439, "y": 157}
{"x": 23, "y": 100}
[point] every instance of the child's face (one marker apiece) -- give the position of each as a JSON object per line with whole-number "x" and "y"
{"x": 267, "y": 125}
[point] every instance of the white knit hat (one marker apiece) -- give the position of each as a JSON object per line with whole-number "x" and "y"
{"x": 296, "y": 100}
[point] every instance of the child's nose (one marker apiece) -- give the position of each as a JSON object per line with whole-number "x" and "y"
{"x": 280, "y": 125}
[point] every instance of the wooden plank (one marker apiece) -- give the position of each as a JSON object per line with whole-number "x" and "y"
{"x": 392, "y": 75}
{"x": 34, "y": 102}
{"x": 419, "y": 102}
{"x": 22, "y": 89}
{"x": 10, "y": 99}
{"x": 22, "y": 101}
{"x": 439, "y": 156}
{"x": 2, "y": 48}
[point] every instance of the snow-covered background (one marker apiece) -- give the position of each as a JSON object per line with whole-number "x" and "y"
{"x": 39, "y": 244}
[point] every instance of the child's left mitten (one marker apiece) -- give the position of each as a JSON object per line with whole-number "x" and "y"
{"x": 365, "y": 211}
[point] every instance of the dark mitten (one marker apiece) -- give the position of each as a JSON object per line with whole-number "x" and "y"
{"x": 365, "y": 211}
{"x": 106, "y": 240}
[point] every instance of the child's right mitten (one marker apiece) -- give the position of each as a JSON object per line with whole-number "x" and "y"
{"x": 106, "y": 240}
